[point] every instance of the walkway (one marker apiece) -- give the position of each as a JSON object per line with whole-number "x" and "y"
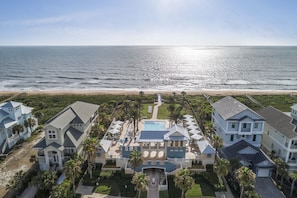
{"x": 153, "y": 187}
{"x": 227, "y": 194}
{"x": 156, "y": 107}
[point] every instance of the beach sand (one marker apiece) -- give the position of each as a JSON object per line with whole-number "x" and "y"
{"x": 220, "y": 92}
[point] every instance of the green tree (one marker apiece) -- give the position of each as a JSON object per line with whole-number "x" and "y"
{"x": 30, "y": 122}
{"x": 221, "y": 168}
{"x": 17, "y": 183}
{"x": 281, "y": 168}
{"x": 246, "y": 179}
{"x": 141, "y": 182}
{"x": 45, "y": 180}
{"x": 183, "y": 181}
{"x": 135, "y": 114}
{"x": 217, "y": 143}
{"x": 17, "y": 129}
{"x": 63, "y": 190}
{"x": 89, "y": 148}
{"x": 293, "y": 176}
{"x": 38, "y": 115}
{"x": 72, "y": 169}
{"x": 135, "y": 159}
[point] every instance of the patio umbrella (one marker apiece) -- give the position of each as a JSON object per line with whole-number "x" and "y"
{"x": 116, "y": 126}
{"x": 196, "y": 137}
{"x": 118, "y": 122}
{"x": 192, "y": 127}
{"x": 187, "y": 116}
{"x": 113, "y": 131}
{"x": 194, "y": 131}
{"x": 189, "y": 119}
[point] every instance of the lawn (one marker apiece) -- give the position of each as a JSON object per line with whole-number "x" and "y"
{"x": 145, "y": 111}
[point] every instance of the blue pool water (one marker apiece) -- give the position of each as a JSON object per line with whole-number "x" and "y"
{"x": 154, "y": 126}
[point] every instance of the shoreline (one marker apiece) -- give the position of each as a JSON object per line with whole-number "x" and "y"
{"x": 212, "y": 92}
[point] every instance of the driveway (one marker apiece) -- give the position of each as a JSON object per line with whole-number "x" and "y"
{"x": 266, "y": 188}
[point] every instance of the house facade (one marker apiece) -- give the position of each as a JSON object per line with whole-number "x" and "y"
{"x": 12, "y": 114}
{"x": 233, "y": 122}
{"x": 241, "y": 130}
{"x": 280, "y": 134}
{"x": 64, "y": 134}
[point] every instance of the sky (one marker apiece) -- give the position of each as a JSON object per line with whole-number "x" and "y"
{"x": 148, "y": 22}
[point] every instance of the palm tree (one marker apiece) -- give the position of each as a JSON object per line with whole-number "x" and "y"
{"x": 293, "y": 176}
{"x": 89, "y": 147}
{"x": 135, "y": 159}
{"x": 38, "y": 115}
{"x": 141, "y": 182}
{"x": 72, "y": 169}
{"x": 183, "y": 181}
{"x": 217, "y": 143}
{"x": 17, "y": 183}
{"x": 221, "y": 168}
{"x": 281, "y": 168}
{"x": 17, "y": 129}
{"x": 30, "y": 122}
{"x": 183, "y": 93}
{"x": 246, "y": 178}
{"x": 176, "y": 116}
{"x": 135, "y": 114}
{"x": 45, "y": 180}
{"x": 62, "y": 190}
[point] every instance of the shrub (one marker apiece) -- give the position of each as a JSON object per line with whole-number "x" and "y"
{"x": 103, "y": 190}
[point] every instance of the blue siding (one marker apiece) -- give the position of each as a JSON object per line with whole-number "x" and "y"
{"x": 127, "y": 150}
{"x": 174, "y": 152}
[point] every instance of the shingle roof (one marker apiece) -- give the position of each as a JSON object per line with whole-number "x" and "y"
{"x": 84, "y": 110}
{"x": 41, "y": 144}
{"x": 176, "y": 128}
{"x": 279, "y": 121}
{"x": 294, "y": 107}
{"x": 63, "y": 119}
{"x": 67, "y": 142}
{"x": 75, "y": 133}
{"x": 7, "y": 122}
{"x": 229, "y": 107}
{"x": 149, "y": 136}
{"x": 11, "y": 104}
{"x": 205, "y": 147}
{"x": 25, "y": 109}
{"x": 236, "y": 151}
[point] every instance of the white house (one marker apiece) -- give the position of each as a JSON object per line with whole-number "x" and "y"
{"x": 233, "y": 122}
{"x": 12, "y": 114}
{"x": 241, "y": 129}
{"x": 280, "y": 134}
{"x": 64, "y": 134}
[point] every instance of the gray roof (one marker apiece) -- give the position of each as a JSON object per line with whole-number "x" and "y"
{"x": 229, "y": 107}
{"x": 205, "y": 147}
{"x": 3, "y": 113}
{"x": 75, "y": 133}
{"x": 67, "y": 142}
{"x": 11, "y": 104}
{"x": 84, "y": 110}
{"x": 26, "y": 110}
{"x": 245, "y": 151}
{"x": 80, "y": 112}
{"x": 176, "y": 129}
{"x": 41, "y": 144}
{"x": 7, "y": 123}
{"x": 152, "y": 136}
{"x": 279, "y": 121}
{"x": 63, "y": 119}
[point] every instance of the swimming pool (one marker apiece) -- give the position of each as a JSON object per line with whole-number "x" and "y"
{"x": 154, "y": 126}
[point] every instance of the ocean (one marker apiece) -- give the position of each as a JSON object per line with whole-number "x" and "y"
{"x": 134, "y": 68}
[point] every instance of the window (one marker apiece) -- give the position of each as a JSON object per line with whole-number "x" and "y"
{"x": 256, "y": 125}
{"x": 272, "y": 145}
{"x": 244, "y": 125}
{"x": 52, "y": 134}
{"x": 231, "y": 138}
{"x": 254, "y": 138}
{"x": 233, "y": 125}
{"x": 208, "y": 155}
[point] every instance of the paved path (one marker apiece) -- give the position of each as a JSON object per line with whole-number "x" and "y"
{"x": 156, "y": 107}
{"x": 29, "y": 192}
{"x": 153, "y": 189}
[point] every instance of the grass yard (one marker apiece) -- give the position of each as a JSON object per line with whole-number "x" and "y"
{"x": 145, "y": 112}
{"x": 163, "y": 113}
